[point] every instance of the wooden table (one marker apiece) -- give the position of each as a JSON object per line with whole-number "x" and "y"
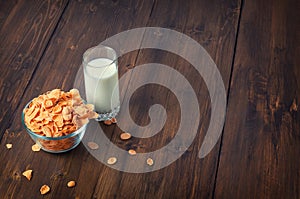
{"x": 255, "y": 45}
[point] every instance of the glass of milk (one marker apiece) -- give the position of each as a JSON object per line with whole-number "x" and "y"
{"x": 100, "y": 66}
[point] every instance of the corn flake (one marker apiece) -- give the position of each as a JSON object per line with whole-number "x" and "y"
{"x": 132, "y": 152}
{"x": 35, "y": 147}
{"x": 27, "y": 174}
{"x": 112, "y": 160}
{"x": 8, "y": 146}
{"x": 150, "y": 161}
{"x": 93, "y": 145}
{"x": 58, "y": 113}
{"x": 44, "y": 189}
{"x": 125, "y": 136}
{"x": 71, "y": 183}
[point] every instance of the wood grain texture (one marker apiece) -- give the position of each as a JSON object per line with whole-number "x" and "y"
{"x": 255, "y": 158}
{"x": 24, "y": 34}
{"x": 5, "y": 9}
{"x": 260, "y": 146}
{"x": 188, "y": 177}
{"x": 58, "y": 68}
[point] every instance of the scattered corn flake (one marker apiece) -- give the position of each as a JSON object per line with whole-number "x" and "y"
{"x": 93, "y": 145}
{"x": 8, "y": 146}
{"x": 35, "y": 147}
{"x": 114, "y": 120}
{"x": 132, "y": 152}
{"x": 44, "y": 189}
{"x": 71, "y": 183}
{"x": 107, "y": 122}
{"x": 112, "y": 160}
{"x": 27, "y": 174}
{"x": 125, "y": 136}
{"x": 150, "y": 161}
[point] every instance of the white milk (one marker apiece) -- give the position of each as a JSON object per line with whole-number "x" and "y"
{"x": 100, "y": 79}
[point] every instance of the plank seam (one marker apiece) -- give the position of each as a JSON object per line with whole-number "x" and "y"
{"x": 228, "y": 93}
{"x": 152, "y": 8}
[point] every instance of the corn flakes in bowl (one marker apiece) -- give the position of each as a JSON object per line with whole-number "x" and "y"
{"x": 57, "y": 120}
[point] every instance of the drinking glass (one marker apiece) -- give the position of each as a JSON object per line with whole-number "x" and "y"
{"x": 100, "y": 66}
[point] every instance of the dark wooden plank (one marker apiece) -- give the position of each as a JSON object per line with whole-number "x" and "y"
{"x": 5, "y": 9}
{"x": 25, "y": 31}
{"x": 260, "y": 148}
{"x": 84, "y": 24}
{"x": 188, "y": 177}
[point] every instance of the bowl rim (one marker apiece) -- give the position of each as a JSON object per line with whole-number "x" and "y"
{"x": 78, "y": 131}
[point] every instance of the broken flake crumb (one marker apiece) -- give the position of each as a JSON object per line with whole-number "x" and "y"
{"x": 44, "y": 189}
{"x": 93, "y": 145}
{"x": 125, "y": 136}
{"x": 150, "y": 161}
{"x": 113, "y": 120}
{"x": 35, "y": 147}
{"x": 112, "y": 160}
{"x": 8, "y": 146}
{"x": 71, "y": 183}
{"x": 132, "y": 152}
{"x": 27, "y": 174}
{"x": 107, "y": 122}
